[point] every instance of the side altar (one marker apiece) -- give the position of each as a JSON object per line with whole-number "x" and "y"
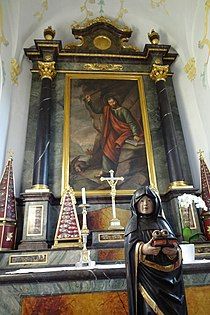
{"x": 78, "y": 89}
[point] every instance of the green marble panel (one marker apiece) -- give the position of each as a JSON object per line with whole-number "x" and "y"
{"x": 57, "y": 120}
{"x": 156, "y": 134}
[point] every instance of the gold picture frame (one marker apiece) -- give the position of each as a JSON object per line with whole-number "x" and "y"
{"x": 77, "y": 120}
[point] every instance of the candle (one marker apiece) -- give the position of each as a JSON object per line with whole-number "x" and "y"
{"x": 83, "y": 196}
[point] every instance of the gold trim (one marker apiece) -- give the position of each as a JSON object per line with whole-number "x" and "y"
{"x": 136, "y": 263}
{"x": 111, "y": 233}
{"x": 39, "y": 186}
{"x": 150, "y": 301}
{"x": 148, "y": 140}
{"x": 167, "y": 268}
{"x": 159, "y": 72}
{"x": 28, "y": 255}
{"x": 103, "y": 72}
{"x": 100, "y": 19}
{"x": 47, "y": 69}
{"x": 66, "y": 136}
{"x": 102, "y": 66}
{"x": 62, "y": 244}
{"x": 117, "y": 56}
{"x": 73, "y": 54}
{"x": 181, "y": 184}
{"x": 66, "y": 132}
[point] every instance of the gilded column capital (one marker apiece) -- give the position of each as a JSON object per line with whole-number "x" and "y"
{"x": 159, "y": 72}
{"x": 47, "y": 69}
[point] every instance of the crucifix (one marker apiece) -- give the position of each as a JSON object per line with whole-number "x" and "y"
{"x": 112, "y": 181}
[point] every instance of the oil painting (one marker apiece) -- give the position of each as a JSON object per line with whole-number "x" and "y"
{"x": 106, "y": 128}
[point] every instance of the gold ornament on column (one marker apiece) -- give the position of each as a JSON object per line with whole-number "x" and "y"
{"x": 47, "y": 69}
{"x": 159, "y": 72}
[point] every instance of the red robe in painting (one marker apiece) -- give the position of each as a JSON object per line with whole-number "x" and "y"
{"x": 114, "y": 134}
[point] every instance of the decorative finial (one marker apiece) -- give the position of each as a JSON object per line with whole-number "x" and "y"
{"x": 154, "y": 37}
{"x": 201, "y": 154}
{"x": 49, "y": 33}
{"x": 10, "y": 154}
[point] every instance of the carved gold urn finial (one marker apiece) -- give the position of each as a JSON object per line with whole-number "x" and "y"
{"x": 49, "y": 33}
{"x": 154, "y": 37}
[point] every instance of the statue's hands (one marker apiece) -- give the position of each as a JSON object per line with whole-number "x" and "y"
{"x": 169, "y": 251}
{"x": 87, "y": 98}
{"x": 148, "y": 249}
{"x": 136, "y": 138}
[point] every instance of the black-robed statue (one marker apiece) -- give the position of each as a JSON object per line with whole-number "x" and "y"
{"x": 153, "y": 259}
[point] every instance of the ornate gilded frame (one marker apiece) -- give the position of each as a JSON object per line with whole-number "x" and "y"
{"x": 67, "y": 123}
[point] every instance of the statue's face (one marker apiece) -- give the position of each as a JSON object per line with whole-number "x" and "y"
{"x": 145, "y": 205}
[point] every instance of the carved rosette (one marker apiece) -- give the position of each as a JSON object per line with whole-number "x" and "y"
{"x": 159, "y": 72}
{"x": 47, "y": 69}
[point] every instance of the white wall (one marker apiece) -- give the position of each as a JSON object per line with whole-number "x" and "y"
{"x": 180, "y": 24}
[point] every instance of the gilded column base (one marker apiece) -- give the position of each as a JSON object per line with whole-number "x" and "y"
{"x": 38, "y": 188}
{"x": 181, "y": 184}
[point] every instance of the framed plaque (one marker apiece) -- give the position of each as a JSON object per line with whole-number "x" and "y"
{"x": 35, "y": 220}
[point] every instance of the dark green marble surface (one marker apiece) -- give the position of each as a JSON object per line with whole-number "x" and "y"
{"x": 30, "y": 284}
{"x": 57, "y": 120}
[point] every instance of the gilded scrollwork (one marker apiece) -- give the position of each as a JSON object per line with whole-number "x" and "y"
{"x": 104, "y": 66}
{"x": 47, "y": 69}
{"x": 205, "y": 41}
{"x": 124, "y": 44}
{"x": 44, "y": 7}
{"x": 122, "y": 11}
{"x": 72, "y": 44}
{"x": 159, "y": 3}
{"x": 100, "y": 19}
{"x": 14, "y": 70}
{"x": 190, "y": 69}
{"x": 84, "y": 8}
{"x": 3, "y": 39}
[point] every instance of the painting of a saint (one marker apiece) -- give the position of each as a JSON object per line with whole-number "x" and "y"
{"x": 106, "y": 132}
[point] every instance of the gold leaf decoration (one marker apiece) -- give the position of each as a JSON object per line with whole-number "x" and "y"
{"x": 44, "y": 7}
{"x": 14, "y": 70}
{"x": 190, "y": 69}
{"x": 205, "y": 42}
{"x": 122, "y": 11}
{"x": 103, "y": 66}
{"x": 159, "y": 3}
{"x": 3, "y": 39}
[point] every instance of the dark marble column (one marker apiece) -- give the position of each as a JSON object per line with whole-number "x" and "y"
{"x": 41, "y": 156}
{"x": 159, "y": 75}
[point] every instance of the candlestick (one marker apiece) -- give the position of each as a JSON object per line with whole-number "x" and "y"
{"x": 85, "y": 253}
{"x": 83, "y": 196}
